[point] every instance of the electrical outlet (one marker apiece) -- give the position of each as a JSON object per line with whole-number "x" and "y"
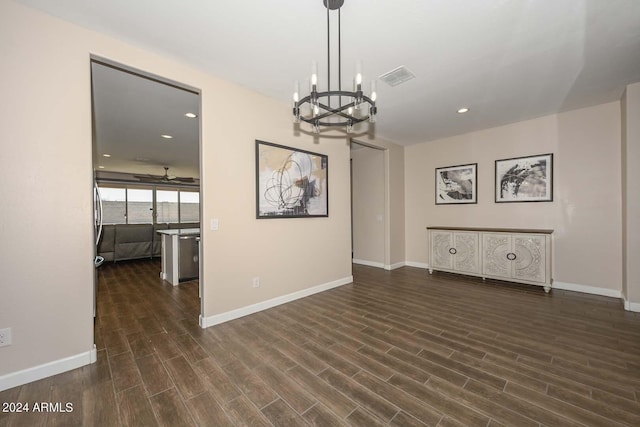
{"x": 5, "y": 337}
{"x": 256, "y": 282}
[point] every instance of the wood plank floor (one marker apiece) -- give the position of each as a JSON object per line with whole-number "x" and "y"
{"x": 397, "y": 348}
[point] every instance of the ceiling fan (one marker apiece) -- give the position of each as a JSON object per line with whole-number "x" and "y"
{"x": 166, "y": 178}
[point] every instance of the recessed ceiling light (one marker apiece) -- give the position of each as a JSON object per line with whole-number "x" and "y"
{"x": 166, "y": 136}
{"x": 191, "y": 115}
{"x": 106, "y": 155}
{"x": 463, "y": 110}
{"x": 100, "y": 167}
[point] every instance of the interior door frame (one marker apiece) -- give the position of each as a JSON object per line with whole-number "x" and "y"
{"x": 387, "y": 203}
{"x": 178, "y": 85}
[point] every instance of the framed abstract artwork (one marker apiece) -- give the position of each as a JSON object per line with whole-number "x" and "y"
{"x": 524, "y": 179}
{"x": 290, "y": 183}
{"x": 457, "y": 185}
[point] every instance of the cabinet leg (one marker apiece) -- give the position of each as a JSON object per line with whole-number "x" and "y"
{"x": 547, "y": 289}
{"x": 431, "y": 271}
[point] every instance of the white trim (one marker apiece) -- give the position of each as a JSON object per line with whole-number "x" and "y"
{"x": 586, "y": 289}
{"x": 216, "y": 319}
{"x": 49, "y": 369}
{"x": 631, "y": 306}
{"x": 378, "y": 264}
{"x": 369, "y": 263}
{"x": 612, "y": 293}
{"x": 394, "y": 266}
{"x": 417, "y": 264}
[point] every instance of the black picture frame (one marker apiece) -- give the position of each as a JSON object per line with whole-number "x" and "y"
{"x": 524, "y": 179}
{"x": 290, "y": 182}
{"x": 457, "y": 185}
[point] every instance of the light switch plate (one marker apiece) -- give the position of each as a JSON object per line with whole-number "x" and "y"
{"x": 5, "y": 337}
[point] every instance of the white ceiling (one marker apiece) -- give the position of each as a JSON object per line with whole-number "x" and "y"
{"x": 130, "y": 115}
{"x": 508, "y": 60}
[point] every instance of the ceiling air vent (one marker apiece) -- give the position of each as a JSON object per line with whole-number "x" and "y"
{"x": 397, "y": 76}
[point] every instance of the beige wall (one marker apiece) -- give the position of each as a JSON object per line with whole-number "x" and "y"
{"x": 46, "y": 170}
{"x": 46, "y": 174}
{"x": 631, "y": 207}
{"x": 396, "y": 204}
{"x": 368, "y": 201}
{"x": 585, "y": 213}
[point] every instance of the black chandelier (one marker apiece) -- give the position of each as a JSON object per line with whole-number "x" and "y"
{"x": 326, "y": 108}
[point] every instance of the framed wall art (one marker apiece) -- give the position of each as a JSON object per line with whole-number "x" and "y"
{"x": 457, "y": 184}
{"x": 525, "y": 179}
{"x": 290, "y": 183}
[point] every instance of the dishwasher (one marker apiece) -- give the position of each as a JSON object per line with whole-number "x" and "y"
{"x": 188, "y": 258}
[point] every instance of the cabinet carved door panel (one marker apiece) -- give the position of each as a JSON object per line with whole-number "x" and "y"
{"x": 441, "y": 242}
{"x": 495, "y": 250}
{"x": 466, "y": 258}
{"x": 530, "y": 258}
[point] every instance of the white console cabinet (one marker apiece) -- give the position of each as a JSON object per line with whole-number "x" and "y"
{"x": 518, "y": 255}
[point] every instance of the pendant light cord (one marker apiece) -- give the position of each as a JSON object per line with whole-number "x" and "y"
{"x": 339, "y": 58}
{"x": 328, "y": 54}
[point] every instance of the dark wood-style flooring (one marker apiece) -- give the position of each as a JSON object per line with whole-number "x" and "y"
{"x": 397, "y": 348}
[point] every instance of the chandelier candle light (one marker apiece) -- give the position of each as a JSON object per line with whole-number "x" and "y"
{"x": 321, "y": 112}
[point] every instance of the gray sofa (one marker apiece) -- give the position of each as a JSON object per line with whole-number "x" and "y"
{"x": 133, "y": 241}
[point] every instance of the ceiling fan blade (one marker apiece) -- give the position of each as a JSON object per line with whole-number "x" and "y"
{"x": 156, "y": 177}
{"x": 183, "y": 179}
{"x": 165, "y": 178}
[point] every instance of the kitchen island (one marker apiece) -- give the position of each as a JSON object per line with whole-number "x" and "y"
{"x": 180, "y": 254}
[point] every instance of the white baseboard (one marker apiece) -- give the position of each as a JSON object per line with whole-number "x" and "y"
{"x": 205, "y": 322}
{"x": 216, "y": 319}
{"x": 394, "y": 266}
{"x": 586, "y": 289}
{"x": 56, "y": 367}
{"x": 628, "y": 305}
{"x": 631, "y": 306}
{"x": 417, "y": 264}
{"x": 378, "y": 264}
{"x": 368, "y": 263}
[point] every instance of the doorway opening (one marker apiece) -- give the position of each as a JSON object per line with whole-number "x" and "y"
{"x": 146, "y": 161}
{"x": 369, "y": 206}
